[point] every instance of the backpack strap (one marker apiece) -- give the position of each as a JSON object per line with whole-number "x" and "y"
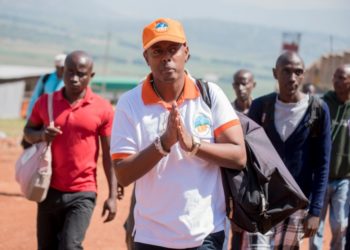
{"x": 204, "y": 90}
{"x": 44, "y": 80}
{"x": 268, "y": 111}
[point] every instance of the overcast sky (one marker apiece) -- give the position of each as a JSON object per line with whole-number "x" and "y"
{"x": 323, "y": 16}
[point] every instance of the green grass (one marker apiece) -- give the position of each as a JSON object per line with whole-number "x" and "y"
{"x": 12, "y": 127}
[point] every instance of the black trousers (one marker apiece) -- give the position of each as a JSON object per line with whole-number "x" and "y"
{"x": 213, "y": 241}
{"x": 63, "y": 218}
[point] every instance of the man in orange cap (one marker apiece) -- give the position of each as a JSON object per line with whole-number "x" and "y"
{"x": 167, "y": 140}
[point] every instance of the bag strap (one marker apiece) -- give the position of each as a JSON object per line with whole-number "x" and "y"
{"x": 204, "y": 90}
{"x": 43, "y": 81}
{"x": 50, "y": 109}
{"x": 268, "y": 110}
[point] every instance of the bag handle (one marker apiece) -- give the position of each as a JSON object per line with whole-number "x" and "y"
{"x": 50, "y": 109}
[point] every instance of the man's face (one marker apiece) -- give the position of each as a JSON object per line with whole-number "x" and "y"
{"x": 167, "y": 60}
{"x": 77, "y": 73}
{"x": 243, "y": 84}
{"x": 341, "y": 83}
{"x": 289, "y": 75}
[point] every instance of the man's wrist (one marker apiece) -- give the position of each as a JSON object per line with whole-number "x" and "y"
{"x": 164, "y": 146}
{"x": 159, "y": 146}
{"x": 196, "y": 143}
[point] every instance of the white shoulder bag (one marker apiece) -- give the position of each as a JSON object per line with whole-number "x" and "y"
{"x": 33, "y": 168}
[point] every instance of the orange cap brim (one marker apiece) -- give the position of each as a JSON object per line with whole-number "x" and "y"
{"x": 164, "y": 38}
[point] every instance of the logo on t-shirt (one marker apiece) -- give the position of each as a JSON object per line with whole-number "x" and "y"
{"x": 202, "y": 125}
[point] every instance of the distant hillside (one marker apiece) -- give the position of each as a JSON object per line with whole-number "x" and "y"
{"x": 33, "y": 31}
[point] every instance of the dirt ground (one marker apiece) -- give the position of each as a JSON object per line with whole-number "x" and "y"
{"x": 17, "y": 215}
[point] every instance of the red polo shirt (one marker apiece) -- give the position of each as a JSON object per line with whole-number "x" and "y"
{"x": 75, "y": 151}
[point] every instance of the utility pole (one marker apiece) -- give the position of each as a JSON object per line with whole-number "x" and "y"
{"x": 331, "y": 43}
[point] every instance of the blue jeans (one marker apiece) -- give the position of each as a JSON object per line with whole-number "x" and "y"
{"x": 338, "y": 199}
{"x": 63, "y": 219}
{"x": 213, "y": 241}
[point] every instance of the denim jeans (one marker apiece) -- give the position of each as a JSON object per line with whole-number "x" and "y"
{"x": 213, "y": 241}
{"x": 63, "y": 219}
{"x": 338, "y": 199}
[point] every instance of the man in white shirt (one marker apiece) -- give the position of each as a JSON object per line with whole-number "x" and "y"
{"x": 171, "y": 143}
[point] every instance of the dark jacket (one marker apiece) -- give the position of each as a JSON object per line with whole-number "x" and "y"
{"x": 340, "y": 156}
{"x": 306, "y": 157}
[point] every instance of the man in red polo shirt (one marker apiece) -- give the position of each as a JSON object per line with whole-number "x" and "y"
{"x": 81, "y": 118}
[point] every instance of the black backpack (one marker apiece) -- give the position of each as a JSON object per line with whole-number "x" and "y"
{"x": 264, "y": 193}
{"x": 45, "y": 78}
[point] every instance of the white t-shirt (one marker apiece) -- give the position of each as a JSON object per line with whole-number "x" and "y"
{"x": 181, "y": 200}
{"x": 289, "y": 115}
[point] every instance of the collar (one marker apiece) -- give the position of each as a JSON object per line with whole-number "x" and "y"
{"x": 150, "y": 97}
{"x": 88, "y": 98}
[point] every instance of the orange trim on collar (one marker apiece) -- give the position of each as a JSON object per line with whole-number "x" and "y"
{"x": 150, "y": 97}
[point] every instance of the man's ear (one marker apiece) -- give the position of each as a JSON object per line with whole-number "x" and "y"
{"x": 187, "y": 51}
{"x": 92, "y": 74}
{"x": 146, "y": 57}
{"x": 274, "y": 73}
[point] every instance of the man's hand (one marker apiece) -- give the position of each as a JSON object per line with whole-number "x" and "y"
{"x": 311, "y": 224}
{"x": 49, "y": 133}
{"x": 185, "y": 138}
{"x": 169, "y": 138}
{"x": 110, "y": 206}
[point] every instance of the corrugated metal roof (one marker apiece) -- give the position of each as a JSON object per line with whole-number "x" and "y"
{"x": 110, "y": 83}
{"x": 8, "y": 72}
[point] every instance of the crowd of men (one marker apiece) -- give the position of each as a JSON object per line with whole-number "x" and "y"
{"x": 164, "y": 139}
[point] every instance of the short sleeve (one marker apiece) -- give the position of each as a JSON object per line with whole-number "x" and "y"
{"x": 107, "y": 121}
{"x": 124, "y": 137}
{"x": 40, "y": 106}
{"x": 224, "y": 116}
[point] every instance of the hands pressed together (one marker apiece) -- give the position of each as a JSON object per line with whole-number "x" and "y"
{"x": 176, "y": 132}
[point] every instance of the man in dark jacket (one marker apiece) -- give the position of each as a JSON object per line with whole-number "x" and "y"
{"x": 305, "y": 153}
{"x": 338, "y": 190}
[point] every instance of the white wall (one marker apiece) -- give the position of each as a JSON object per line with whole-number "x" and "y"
{"x": 11, "y": 97}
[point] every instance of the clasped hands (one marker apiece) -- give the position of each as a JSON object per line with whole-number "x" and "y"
{"x": 176, "y": 132}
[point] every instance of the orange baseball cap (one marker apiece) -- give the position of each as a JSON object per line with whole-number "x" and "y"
{"x": 163, "y": 29}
